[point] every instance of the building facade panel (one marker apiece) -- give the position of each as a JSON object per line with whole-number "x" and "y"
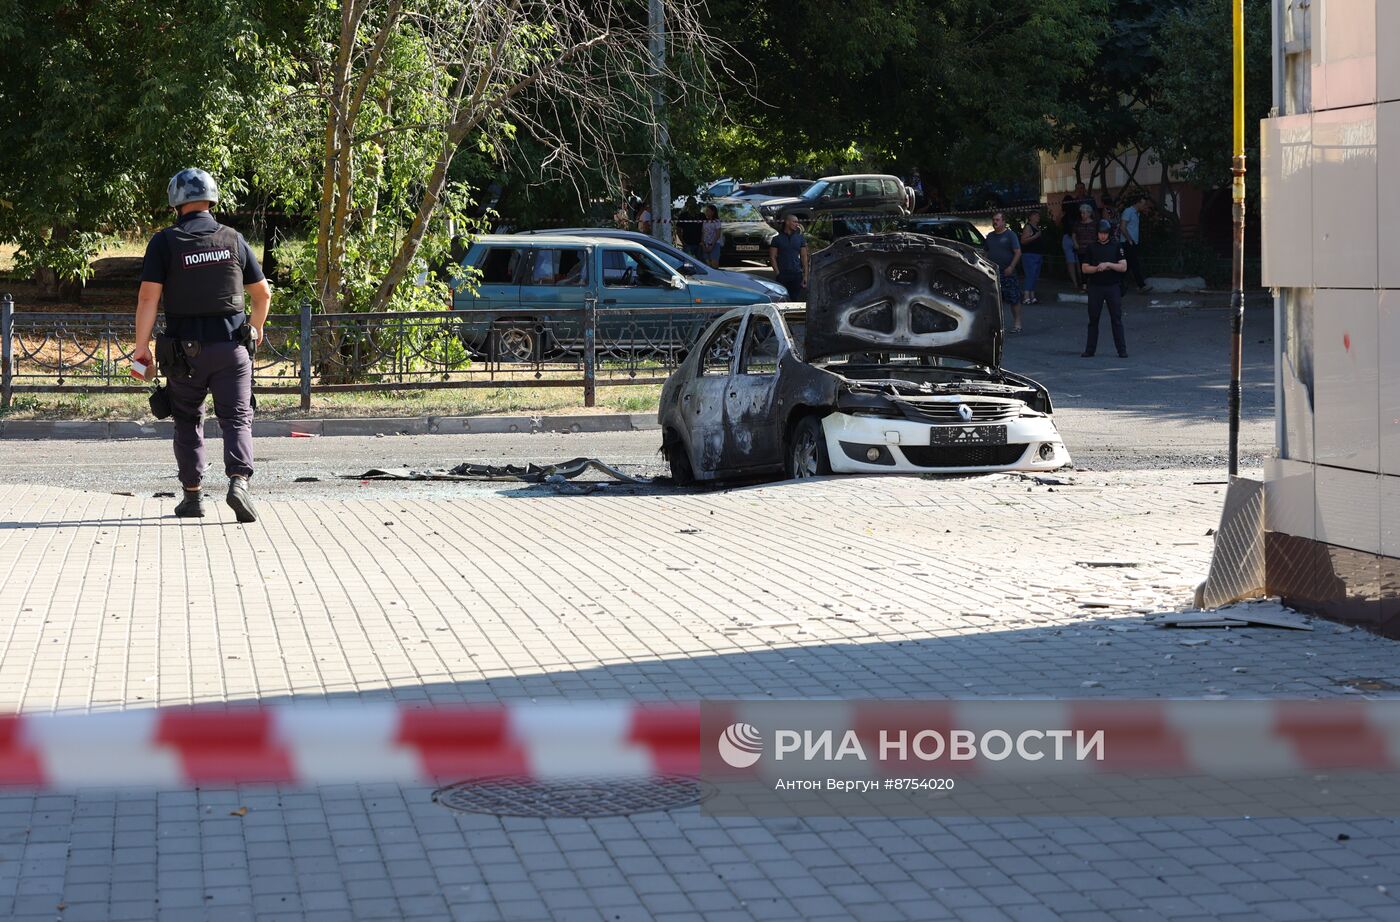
{"x": 1388, "y": 349}
{"x": 1343, "y": 52}
{"x": 1344, "y": 198}
{"x": 1286, "y": 196}
{"x": 1290, "y": 497}
{"x": 1338, "y": 332}
{"x": 1293, "y": 401}
{"x": 1390, "y": 517}
{"x": 1346, "y": 378}
{"x": 1388, "y": 191}
{"x": 1349, "y": 509}
{"x": 1387, "y": 62}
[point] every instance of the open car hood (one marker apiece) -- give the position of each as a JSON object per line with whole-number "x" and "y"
{"x": 906, "y": 293}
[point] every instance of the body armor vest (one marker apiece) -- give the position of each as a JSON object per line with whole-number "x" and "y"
{"x": 205, "y": 274}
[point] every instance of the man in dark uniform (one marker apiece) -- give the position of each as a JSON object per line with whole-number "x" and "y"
{"x": 1103, "y": 265}
{"x": 788, "y": 256}
{"x": 197, "y": 272}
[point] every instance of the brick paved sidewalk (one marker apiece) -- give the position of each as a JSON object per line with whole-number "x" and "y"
{"x": 875, "y": 587}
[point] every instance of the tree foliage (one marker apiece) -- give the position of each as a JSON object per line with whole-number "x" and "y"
{"x": 1189, "y": 125}
{"x": 104, "y": 101}
{"x": 370, "y": 125}
{"x": 964, "y": 89}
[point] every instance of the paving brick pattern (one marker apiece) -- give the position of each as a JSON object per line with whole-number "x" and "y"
{"x": 881, "y": 587}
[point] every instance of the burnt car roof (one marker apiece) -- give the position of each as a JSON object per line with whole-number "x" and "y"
{"x": 903, "y": 292}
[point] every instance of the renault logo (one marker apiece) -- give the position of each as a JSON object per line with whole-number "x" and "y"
{"x": 965, "y": 412}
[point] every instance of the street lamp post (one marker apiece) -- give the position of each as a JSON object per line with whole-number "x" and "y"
{"x": 1237, "y": 257}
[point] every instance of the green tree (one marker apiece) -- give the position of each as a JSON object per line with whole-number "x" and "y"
{"x": 392, "y": 92}
{"x": 1191, "y": 120}
{"x": 103, "y": 102}
{"x": 965, "y": 89}
{"x": 1105, "y": 111}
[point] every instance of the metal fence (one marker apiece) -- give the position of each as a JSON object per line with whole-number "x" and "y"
{"x": 308, "y": 353}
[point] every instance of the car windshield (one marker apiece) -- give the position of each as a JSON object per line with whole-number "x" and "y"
{"x": 815, "y": 189}
{"x": 669, "y": 256}
{"x": 952, "y": 230}
{"x": 739, "y": 212}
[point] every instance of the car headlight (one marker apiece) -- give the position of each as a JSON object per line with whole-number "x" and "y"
{"x": 773, "y": 288}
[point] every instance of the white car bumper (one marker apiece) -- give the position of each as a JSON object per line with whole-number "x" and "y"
{"x": 902, "y": 446}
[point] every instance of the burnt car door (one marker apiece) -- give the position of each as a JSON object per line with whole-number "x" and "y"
{"x": 752, "y": 429}
{"x": 702, "y": 397}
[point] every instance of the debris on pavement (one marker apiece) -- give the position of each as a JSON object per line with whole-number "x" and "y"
{"x": 307, "y": 480}
{"x": 1046, "y": 480}
{"x": 1108, "y": 563}
{"x": 122, "y": 493}
{"x": 1264, "y": 616}
{"x": 527, "y": 473}
{"x": 303, "y": 435}
{"x": 163, "y": 494}
{"x": 1369, "y": 684}
{"x": 1197, "y": 619}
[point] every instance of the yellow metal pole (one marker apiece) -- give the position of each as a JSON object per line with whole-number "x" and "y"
{"x": 1237, "y": 257}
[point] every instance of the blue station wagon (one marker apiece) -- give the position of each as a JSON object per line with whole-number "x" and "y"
{"x": 519, "y": 285}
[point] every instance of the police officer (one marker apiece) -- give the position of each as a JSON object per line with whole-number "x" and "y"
{"x": 1103, "y": 263}
{"x": 197, "y": 271}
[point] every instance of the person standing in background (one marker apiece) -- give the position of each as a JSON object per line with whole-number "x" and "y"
{"x": 689, "y": 229}
{"x": 1104, "y": 265}
{"x": 711, "y": 236}
{"x": 1003, "y": 247}
{"x": 1032, "y": 254}
{"x": 1084, "y": 234}
{"x": 1069, "y": 217}
{"x": 788, "y": 255}
{"x": 1131, "y": 233}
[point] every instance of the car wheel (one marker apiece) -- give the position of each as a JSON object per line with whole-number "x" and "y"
{"x": 806, "y": 451}
{"x": 679, "y": 460}
{"x": 516, "y": 343}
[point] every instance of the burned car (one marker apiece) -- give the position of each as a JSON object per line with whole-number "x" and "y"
{"x": 893, "y": 366}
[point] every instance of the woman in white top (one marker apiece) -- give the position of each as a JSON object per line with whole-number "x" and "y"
{"x": 711, "y": 236}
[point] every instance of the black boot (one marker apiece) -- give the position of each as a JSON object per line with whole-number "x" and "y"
{"x": 240, "y": 501}
{"x": 191, "y": 506}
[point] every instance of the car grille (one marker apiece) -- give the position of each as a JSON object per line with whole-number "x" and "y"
{"x": 963, "y": 455}
{"x": 983, "y": 411}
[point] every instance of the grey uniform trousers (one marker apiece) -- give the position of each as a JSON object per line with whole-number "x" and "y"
{"x": 224, "y": 370}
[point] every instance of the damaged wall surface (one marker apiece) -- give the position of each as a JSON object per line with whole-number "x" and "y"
{"x": 1331, "y": 250}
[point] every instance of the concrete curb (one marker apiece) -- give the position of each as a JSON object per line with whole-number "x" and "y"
{"x": 366, "y": 426}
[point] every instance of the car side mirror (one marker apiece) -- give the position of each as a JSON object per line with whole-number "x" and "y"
{"x": 688, "y": 269}
{"x": 677, "y": 283}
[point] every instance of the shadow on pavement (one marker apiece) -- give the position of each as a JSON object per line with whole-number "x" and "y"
{"x": 1178, "y": 365}
{"x": 1121, "y": 656}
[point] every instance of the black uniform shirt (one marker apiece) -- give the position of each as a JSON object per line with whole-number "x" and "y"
{"x": 1110, "y": 252}
{"x": 155, "y": 266}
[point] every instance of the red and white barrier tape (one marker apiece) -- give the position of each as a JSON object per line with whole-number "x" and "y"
{"x": 373, "y": 742}
{"x": 338, "y": 745}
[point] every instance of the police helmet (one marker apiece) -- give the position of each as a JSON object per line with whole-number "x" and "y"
{"x": 192, "y": 185}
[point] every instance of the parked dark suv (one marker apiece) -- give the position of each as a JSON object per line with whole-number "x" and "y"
{"x": 770, "y": 189}
{"x": 866, "y": 193}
